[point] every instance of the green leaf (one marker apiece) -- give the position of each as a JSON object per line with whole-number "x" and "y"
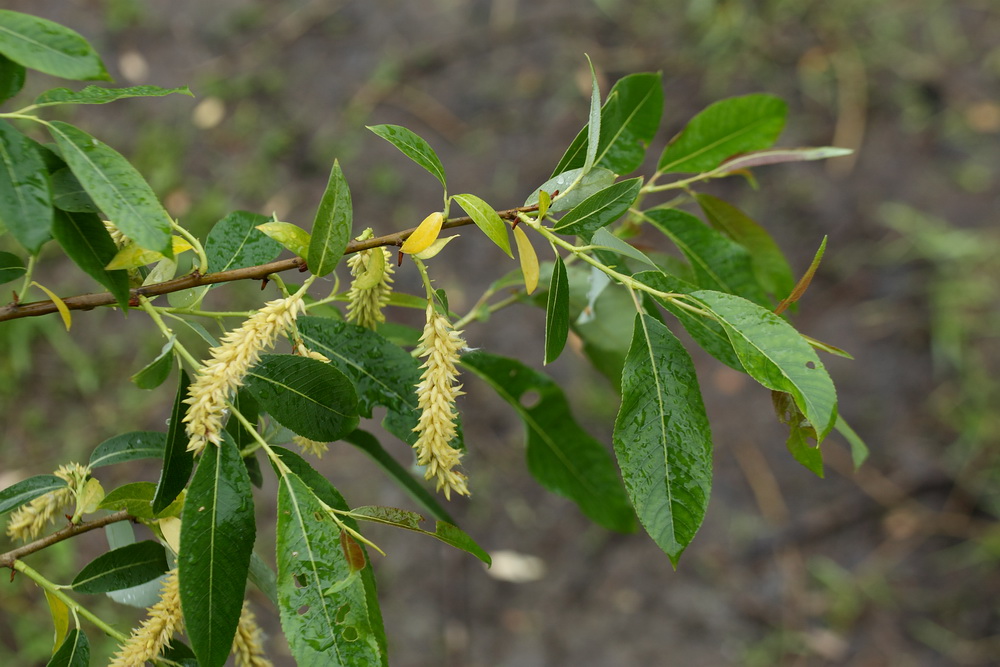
{"x": 69, "y": 195}
{"x": 177, "y": 460}
{"x": 630, "y": 118}
{"x": 662, "y": 437}
{"x": 367, "y": 443}
{"x": 332, "y": 226}
{"x": 779, "y": 155}
{"x": 87, "y": 242}
{"x": 556, "y": 312}
{"x": 808, "y": 455}
{"x": 444, "y": 531}
{"x": 590, "y": 182}
{"x": 25, "y": 193}
{"x": 774, "y": 354}
{"x": 116, "y": 187}
{"x": 561, "y": 455}
{"x": 74, "y": 651}
{"x": 27, "y": 490}
{"x": 217, "y": 535}
{"x": 247, "y": 406}
{"x": 307, "y": 396}
{"x": 593, "y": 121}
{"x": 131, "y": 446}
{"x": 235, "y": 243}
{"x": 325, "y": 613}
{"x": 486, "y": 219}
{"x": 48, "y": 47}
{"x": 59, "y": 612}
{"x": 723, "y": 129}
{"x": 412, "y": 147}
{"x": 135, "y": 498}
{"x": 122, "y": 568}
{"x": 605, "y": 239}
{"x": 599, "y": 209}
{"x": 291, "y": 237}
{"x": 11, "y": 267}
{"x": 770, "y": 267}
{"x": 11, "y": 78}
{"x": 719, "y": 264}
{"x": 156, "y": 372}
{"x": 100, "y": 95}
{"x": 859, "y": 450}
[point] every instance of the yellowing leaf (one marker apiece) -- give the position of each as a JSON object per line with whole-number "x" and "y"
{"x": 435, "y": 247}
{"x": 133, "y": 256}
{"x": 60, "y": 306}
{"x": 60, "y": 619}
{"x": 424, "y": 235}
{"x": 292, "y": 237}
{"x": 93, "y": 494}
{"x": 170, "y": 528}
{"x": 529, "y": 260}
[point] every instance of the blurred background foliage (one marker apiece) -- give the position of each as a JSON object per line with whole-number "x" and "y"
{"x": 894, "y": 565}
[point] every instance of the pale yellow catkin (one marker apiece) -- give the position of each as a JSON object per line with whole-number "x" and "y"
{"x": 150, "y": 638}
{"x": 248, "y": 644}
{"x": 28, "y": 521}
{"x": 365, "y": 304}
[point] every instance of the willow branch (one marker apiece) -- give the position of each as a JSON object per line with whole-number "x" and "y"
{"x": 7, "y": 559}
{"x": 15, "y": 311}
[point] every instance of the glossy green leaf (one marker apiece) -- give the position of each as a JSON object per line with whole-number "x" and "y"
{"x": 235, "y": 243}
{"x": 135, "y": 498}
{"x": 770, "y": 267}
{"x": 307, "y": 396}
{"x": 605, "y": 239}
{"x": 69, "y": 195}
{"x": 561, "y": 455}
{"x": 100, "y": 95}
{"x": 486, "y": 219}
{"x": 179, "y": 653}
{"x": 48, "y": 47}
{"x": 122, "y": 568}
{"x": 723, "y": 129}
{"x": 599, "y": 209}
{"x": 556, "y": 312}
{"x": 115, "y": 186}
{"x": 11, "y": 267}
{"x": 291, "y": 237}
{"x": 25, "y": 193}
{"x": 630, "y": 118}
{"x": 217, "y": 535}
{"x": 27, "y": 490}
{"x": 586, "y": 184}
{"x": 12, "y": 77}
{"x": 370, "y": 445}
{"x": 325, "y": 607}
{"x": 719, "y": 264}
{"x": 774, "y": 354}
{"x": 177, "y": 460}
{"x": 593, "y": 121}
{"x": 446, "y": 532}
{"x": 156, "y": 372}
{"x": 332, "y": 226}
{"x": 662, "y": 438}
{"x": 87, "y": 242}
{"x": 780, "y": 155}
{"x": 413, "y": 147}
{"x": 131, "y": 446}
{"x": 74, "y": 651}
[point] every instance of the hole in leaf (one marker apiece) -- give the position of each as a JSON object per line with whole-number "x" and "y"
{"x": 300, "y": 581}
{"x": 530, "y": 399}
{"x": 342, "y": 612}
{"x": 810, "y": 364}
{"x": 304, "y": 609}
{"x": 350, "y": 634}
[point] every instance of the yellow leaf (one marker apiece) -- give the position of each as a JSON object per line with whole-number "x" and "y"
{"x": 424, "y": 235}
{"x": 435, "y": 247}
{"x": 133, "y": 256}
{"x": 93, "y": 494}
{"x": 60, "y": 306}
{"x": 529, "y": 260}
{"x": 170, "y": 528}
{"x": 60, "y": 619}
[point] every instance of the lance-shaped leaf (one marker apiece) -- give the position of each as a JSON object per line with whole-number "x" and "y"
{"x": 122, "y": 568}
{"x": 11, "y": 267}
{"x": 803, "y": 284}
{"x": 115, "y": 186}
{"x": 859, "y": 450}
{"x": 27, "y": 490}
{"x": 332, "y": 225}
{"x": 662, "y": 438}
{"x": 100, "y": 95}
{"x": 774, "y": 354}
{"x": 719, "y": 264}
{"x": 69, "y": 195}
{"x": 446, "y": 532}
{"x": 74, "y": 651}
{"x": 779, "y": 155}
{"x": 87, "y": 242}
{"x": 48, "y": 47}
{"x": 12, "y": 77}
{"x": 583, "y": 185}
{"x": 135, "y": 498}
{"x": 60, "y": 617}
{"x": 528, "y": 259}
{"x": 235, "y": 243}
{"x": 561, "y": 455}
{"x": 630, "y": 118}
{"x": 556, "y": 312}
{"x": 323, "y": 602}
{"x": 413, "y": 147}
{"x": 769, "y": 264}
{"x": 593, "y": 121}
{"x": 723, "y": 129}
{"x": 217, "y": 535}
{"x": 177, "y": 460}
{"x": 424, "y": 235}
{"x": 486, "y": 219}
{"x": 307, "y": 396}
{"x": 608, "y": 241}
{"x": 155, "y": 373}
{"x": 599, "y": 209}
{"x": 131, "y": 446}
{"x": 25, "y": 194}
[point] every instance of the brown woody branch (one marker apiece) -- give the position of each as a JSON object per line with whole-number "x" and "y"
{"x": 7, "y": 559}
{"x": 13, "y": 311}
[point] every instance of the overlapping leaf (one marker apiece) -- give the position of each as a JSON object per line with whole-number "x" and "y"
{"x": 235, "y": 243}
{"x": 599, "y": 209}
{"x": 27, "y": 490}
{"x": 131, "y": 446}
{"x": 48, "y": 47}
{"x": 125, "y": 567}
{"x": 177, "y": 460}
{"x": 86, "y": 241}
{"x": 25, "y": 193}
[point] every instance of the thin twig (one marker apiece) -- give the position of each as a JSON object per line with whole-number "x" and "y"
{"x": 7, "y": 559}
